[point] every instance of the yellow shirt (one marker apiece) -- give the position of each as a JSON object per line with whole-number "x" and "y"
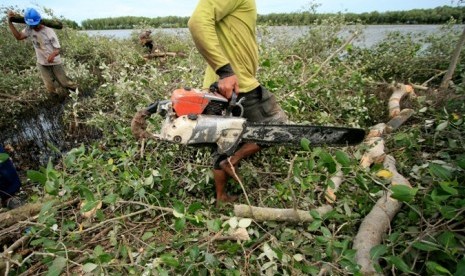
{"x": 224, "y": 31}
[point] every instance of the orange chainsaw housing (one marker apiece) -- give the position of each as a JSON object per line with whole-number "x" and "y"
{"x": 188, "y": 101}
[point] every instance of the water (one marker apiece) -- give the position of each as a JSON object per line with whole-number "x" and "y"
{"x": 371, "y": 34}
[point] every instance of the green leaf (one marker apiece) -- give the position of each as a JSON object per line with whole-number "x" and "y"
{"x": 105, "y": 258}
{"x": 425, "y": 246}
{"x": 86, "y": 193}
{"x": 326, "y": 157}
{"x": 211, "y": 260}
{"x": 378, "y": 251}
{"x": 448, "y": 212}
{"x": 461, "y": 161}
{"x": 435, "y": 268}
{"x": 98, "y": 250}
{"x": 179, "y": 224}
{"x": 194, "y": 253}
{"x": 447, "y": 239}
{"x": 57, "y": 266}
{"x": 46, "y": 208}
{"x": 398, "y": 263}
{"x": 177, "y": 214}
{"x": 448, "y": 189}
{"x": 315, "y": 225}
{"x": 89, "y": 205}
{"x": 89, "y": 267}
{"x": 305, "y": 144}
{"x": 110, "y": 199}
{"x": 342, "y": 158}
{"x": 70, "y": 159}
{"x": 169, "y": 260}
{"x": 460, "y": 270}
{"x": 311, "y": 164}
{"x": 442, "y": 126}
{"x": 315, "y": 214}
{"x": 149, "y": 180}
{"x": 325, "y": 231}
{"x": 146, "y": 236}
{"x": 214, "y": 225}
{"x": 403, "y": 193}
{"x": 50, "y": 188}
{"x": 439, "y": 171}
{"x": 179, "y": 207}
{"x": 266, "y": 63}
{"x": 36, "y": 176}
{"x": 4, "y": 157}
{"x": 194, "y": 207}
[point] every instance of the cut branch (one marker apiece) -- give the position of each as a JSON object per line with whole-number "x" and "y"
{"x": 274, "y": 214}
{"x": 378, "y": 221}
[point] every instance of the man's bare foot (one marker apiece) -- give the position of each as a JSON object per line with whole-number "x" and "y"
{"x": 226, "y": 199}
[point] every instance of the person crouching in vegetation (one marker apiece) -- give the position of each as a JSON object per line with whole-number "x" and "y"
{"x": 9, "y": 181}
{"x": 47, "y": 48}
{"x": 146, "y": 41}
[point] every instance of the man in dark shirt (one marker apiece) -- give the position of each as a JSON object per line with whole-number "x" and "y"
{"x": 9, "y": 181}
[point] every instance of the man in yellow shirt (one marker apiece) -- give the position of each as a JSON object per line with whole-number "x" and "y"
{"x": 224, "y": 32}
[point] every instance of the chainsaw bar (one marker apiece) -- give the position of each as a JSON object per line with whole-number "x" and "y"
{"x": 293, "y": 134}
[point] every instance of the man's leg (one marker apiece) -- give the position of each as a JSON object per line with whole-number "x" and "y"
{"x": 221, "y": 179}
{"x": 228, "y": 165}
{"x": 61, "y": 77}
{"x": 47, "y": 76}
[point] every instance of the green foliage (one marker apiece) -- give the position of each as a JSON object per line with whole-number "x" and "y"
{"x": 134, "y": 183}
{"x": 439, "y": 15}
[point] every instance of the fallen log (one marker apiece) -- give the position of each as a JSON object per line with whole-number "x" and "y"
{"x": 400, "y": 91}
{"x": 164, "y": 54}
{"x": 378, "y": 221}
{"x": 401, "y": 118}
{"x": 51, "y": 23}
{"x": 374, "y": 139}
{"x": 26, "y": 212}
{"x": 21, "y": 213}
{"x": 330, "y": 193}
{"x": 275, "y": 214}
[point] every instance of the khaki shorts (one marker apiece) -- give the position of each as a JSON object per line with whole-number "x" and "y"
{"x": 260, "y": 106}
{"x": 54, "y": 75}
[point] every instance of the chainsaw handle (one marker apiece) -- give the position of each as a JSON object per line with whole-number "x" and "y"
{"x": 235, "y": 107}
{"x": 233, "y": 100}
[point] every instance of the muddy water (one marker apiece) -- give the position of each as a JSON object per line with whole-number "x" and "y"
{"x": 34, "y": 138}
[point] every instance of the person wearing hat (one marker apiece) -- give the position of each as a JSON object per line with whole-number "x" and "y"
{"x": 47, "y": 48}
{"x": 145, "y": 40}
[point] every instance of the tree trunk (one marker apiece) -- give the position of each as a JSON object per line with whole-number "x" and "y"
{"x": 453, "y": 62}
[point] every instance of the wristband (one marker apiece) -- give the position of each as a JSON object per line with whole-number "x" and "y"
{"x": 225, "y": 71}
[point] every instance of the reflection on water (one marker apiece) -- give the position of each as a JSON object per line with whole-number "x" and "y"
{"x": 371, "y": 34}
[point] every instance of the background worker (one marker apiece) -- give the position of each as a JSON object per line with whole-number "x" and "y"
{"x": 224, "y": 32}
{"x": 9, "y": 181}
{"x": 47, "y": 48}
{"x": 145, "y": 40}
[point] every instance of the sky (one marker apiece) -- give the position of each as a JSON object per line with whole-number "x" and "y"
{"x": 79, "y": 10}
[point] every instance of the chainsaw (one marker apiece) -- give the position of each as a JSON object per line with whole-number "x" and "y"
{"x": 194, "y": 117}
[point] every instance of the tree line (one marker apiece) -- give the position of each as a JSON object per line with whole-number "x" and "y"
{"x": 438, "y": 15}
